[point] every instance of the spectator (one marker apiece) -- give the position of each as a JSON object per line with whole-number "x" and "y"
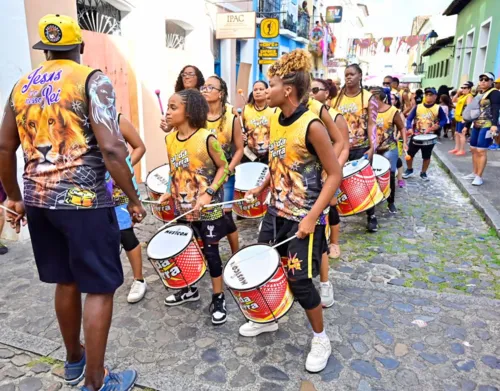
{"x": 447, "y": 106}
{"x": 461, "y": 99}
{"x": 3, "y": 197}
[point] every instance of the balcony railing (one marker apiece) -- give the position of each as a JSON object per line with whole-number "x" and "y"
{"x": 269, "y": 9}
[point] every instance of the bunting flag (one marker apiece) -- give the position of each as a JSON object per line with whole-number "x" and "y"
{"x": 387, "y": 42}
{"x": 370, "y": 46}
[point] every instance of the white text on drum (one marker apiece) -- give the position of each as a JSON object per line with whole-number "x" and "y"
{"x": 239, "y": 275}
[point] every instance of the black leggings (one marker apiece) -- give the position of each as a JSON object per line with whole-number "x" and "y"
{"x": 391, "y": 197}
{"x": 333, "y": 216}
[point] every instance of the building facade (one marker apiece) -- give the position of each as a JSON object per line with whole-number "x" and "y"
{"x": 439, "y": 64}
{"x": 477, "y": 44}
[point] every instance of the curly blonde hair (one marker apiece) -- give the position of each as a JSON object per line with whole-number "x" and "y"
{"x": 294, "y": 69}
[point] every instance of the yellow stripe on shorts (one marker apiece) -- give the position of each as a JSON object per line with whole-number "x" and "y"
{"x": 309, "y": 256}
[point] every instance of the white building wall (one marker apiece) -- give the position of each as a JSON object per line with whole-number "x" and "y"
{"x": 14, "y": 63}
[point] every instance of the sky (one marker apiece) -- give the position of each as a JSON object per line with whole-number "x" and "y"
{"x": 391, "y": 18}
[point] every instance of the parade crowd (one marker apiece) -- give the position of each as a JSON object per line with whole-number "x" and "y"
{"x": 300, "y": 154}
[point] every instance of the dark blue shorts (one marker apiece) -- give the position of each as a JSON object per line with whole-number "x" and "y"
{"x": 460, "y": 127}
{"x": 481, "y": 138}
{"x": 77, "y": 246}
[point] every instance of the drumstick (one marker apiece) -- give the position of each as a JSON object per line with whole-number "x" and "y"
{"x": 157, "y": 92}
{"x": 284, "y": 241}
{"x": 241, "y": 119}
{"x": 9, "y": 210}
{"x": 150, "y": 202}
{"x": 225, "y": 203}
{"x": 174, "y": 220}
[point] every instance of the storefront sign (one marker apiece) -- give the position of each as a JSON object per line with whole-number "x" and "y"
{"x": 267, "y": 62}
{"x": 334, "y": 14}
{"x": 268, "y": 50}
{"x": 236, "y": 25}
{"x": 270, "y": 28}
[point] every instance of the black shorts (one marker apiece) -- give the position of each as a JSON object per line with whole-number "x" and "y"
{"x": 77, "y": 246}
{"x": 355, "y": 154}
{"x": 304, "y": 255}
{"x": 426, "y": 150}
{"x": 210, "y": 232}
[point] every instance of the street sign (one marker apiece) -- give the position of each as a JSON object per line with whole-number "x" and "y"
{"x": 268, "y": 52}
{"x": 267, "y": 61}
{"x": 334, "y": 14}
{"x": 267, "y": 45}
{"x": 235, "y": 25}
{"x": 270, "y": 28}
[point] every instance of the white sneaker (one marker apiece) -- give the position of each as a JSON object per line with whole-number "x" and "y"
{"x": 326, "y": 291}
{"x": 137, "y": 291}
{"x": 252, "y": 329}
{"x": 470, "y": 176}
{"x": 317, "y": 359}
{"x": 478, "y": 181}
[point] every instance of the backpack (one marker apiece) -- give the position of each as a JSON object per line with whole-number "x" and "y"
{"x": 473, "y": 110}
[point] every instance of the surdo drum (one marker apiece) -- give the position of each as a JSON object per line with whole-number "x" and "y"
{"x": 249, "y": 176}
{"x": 177, "y": 257}
{"x": 424, "y": 139}
{"x": 156, "y": 185}
{"x": 258, "y": 282}
{"x": 382, "y": 168}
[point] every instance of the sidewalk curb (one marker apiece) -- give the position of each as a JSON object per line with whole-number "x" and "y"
{"x": 480, "y": 202}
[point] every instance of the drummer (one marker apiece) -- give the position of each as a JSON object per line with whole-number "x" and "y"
{"x": 129, "y": 241}
{"x": 224, "y": 125}
{"x": 256, "y": 117}
{"x": 198, "y": 169}
{"x": 389, "y": 121}
{"x": 300, "y": 149}
{"x": 427, "y": 118}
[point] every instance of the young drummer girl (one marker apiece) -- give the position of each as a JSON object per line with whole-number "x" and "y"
{"x": 198, "y": 169}
{"x": 300, "y": 149}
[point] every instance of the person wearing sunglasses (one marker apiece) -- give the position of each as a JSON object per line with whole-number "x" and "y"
{"x": 485, "y": 127}
{"x": 461, "y": 100}
{"x": 189, "y": 77}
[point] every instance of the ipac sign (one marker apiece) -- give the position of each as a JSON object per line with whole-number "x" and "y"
{"x": 236, "y": 25}
{"x": 334, "y": 14}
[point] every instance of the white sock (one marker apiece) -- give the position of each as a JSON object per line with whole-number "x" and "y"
{"x": 320, "y": 335}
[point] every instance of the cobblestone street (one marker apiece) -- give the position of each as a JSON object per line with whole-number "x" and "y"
{"x": 416, "y": 309}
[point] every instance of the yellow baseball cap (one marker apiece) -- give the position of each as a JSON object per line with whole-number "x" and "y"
{"x": 58, "y": 33}
{"x": 497, "y": 80}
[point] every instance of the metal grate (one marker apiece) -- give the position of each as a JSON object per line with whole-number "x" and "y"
{"x": 269, "y": 9}
{"x": 99, "y": 16}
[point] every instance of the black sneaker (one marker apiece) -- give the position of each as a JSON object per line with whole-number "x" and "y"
{"x": 424, "y": 176}
{"x": 392, "y": 208}
{"x": 408, "y": 173}
{"x": 3, "y": 249}
{"x": 218, "y": 309}
{"x": 183, "y": 296}
{"x": 372, "y": 225}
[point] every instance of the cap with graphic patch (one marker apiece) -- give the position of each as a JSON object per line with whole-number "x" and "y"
{"x": 58, "y": 33}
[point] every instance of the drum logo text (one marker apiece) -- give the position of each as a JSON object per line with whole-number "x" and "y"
{"x": 262, "y": 176}
{"x": 180, "y": 160}
{"x": 239, "y": 275}
{"x": 248, "y": 303}
{"x": 177, "y": 233}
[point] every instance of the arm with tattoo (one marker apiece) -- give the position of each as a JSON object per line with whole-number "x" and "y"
{"x": 104, "y": 122}
{"x": 217, "y": 154}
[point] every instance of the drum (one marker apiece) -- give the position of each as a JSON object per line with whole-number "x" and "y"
{"x": 257, "y": 280}
{"x": 177, "y": 257}
{"x": 156, "y": 185}
{"x": 424, "y": 139}
{"x": 382, "y": 168}
{"x": 359, "y": 189}
{"x": 249, "y": 176}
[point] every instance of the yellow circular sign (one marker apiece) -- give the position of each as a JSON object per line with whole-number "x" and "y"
{"x": 269, "y": 28}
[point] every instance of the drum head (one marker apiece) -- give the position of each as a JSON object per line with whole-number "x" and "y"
{"x": 251, "y": 267}
{"x": 157, "y": 179}
{"x": 350, "y": 169}
{"x": 250, "y": 175}
{"x": 170, "y": 242}
{"x": 425, "y": 137}
{"x": 380, "y": 165}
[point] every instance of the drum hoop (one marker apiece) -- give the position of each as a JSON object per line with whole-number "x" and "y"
{"x": 262, "y": 283}
{"x": 146, "y": 181}
{"x": 181, "y": 251}
{"x": 426, "y": 137}
{"x": 385, "y": 172}
{"x": 357, "y": 172}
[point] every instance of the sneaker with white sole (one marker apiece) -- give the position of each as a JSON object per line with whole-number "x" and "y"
{"x": 137, "y": 291}
{"x": 326, "y": 293}
{"x": 183, "y": 296}
{"x": 408, "y": 173}
{"x": 252, "y": 329}
{"x": 478, "y": 181}
{"x": 470, "y": 176}
{"x": 317, "y": 359}
{"x": 218, "y": 309}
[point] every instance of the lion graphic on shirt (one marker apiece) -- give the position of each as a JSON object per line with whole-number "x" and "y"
{"x": 187, "y": 187}
{"x": 287, "y": 184}
{"x": 258, "y": 140}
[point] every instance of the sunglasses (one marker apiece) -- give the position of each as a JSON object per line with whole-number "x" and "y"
{"x": 315, "y": 90}
{"x": 209, "y": 89}
{"x": 185, "y": 75}
{"x": 386, "y": 84}
{"x": 464, "y": 88}
{"x": 484, "y": 79}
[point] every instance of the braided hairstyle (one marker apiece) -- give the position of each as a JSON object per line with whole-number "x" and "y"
{"x": 196, "y": 107}
{"x": 224, "y": 92}
{"x": 294, "y": 69}
{"x": 251, "y": 99}
{"x": 342, "y": 91}
{"x": 179, "y": 84}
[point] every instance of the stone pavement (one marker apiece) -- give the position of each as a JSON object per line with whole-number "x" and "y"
{"x": 486, "y": 198}
{"x": 384, "y": 336}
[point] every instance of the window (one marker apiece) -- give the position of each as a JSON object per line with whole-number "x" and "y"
{"x": 469, "y": 43}
{"x": 442, "y": 69}
{"x": 98, "y": 16}
{"x": 438, "y": 69}
{"x": 175, "y": 35}
{"x": 458, "y": 58}
{"x": 482, "y": 48}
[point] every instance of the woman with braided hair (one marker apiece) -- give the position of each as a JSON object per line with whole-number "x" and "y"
{"x": 224, "y": 125}
{"x": 300, "y": 152}
{"x": 360, "y": 110}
